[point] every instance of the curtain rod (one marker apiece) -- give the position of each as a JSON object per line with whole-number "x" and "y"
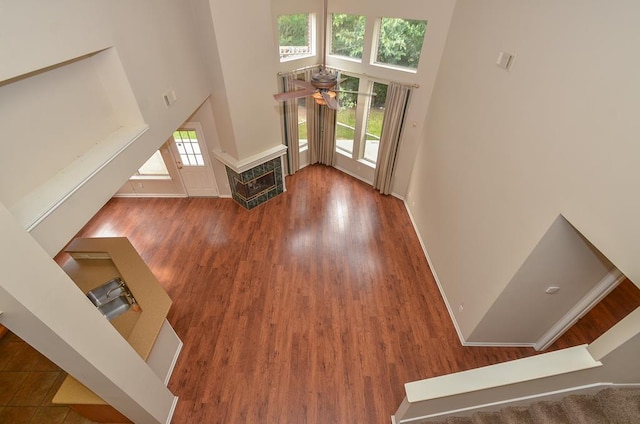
{"x": 414, "y": 85}
{"x": 304, "y": 68}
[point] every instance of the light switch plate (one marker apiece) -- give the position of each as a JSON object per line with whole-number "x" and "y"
{"x": 505, "y": 60}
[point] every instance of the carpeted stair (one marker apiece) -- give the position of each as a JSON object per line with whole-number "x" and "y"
{"x": 608, "y": 406}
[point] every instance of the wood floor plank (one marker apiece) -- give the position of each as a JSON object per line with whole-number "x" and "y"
{"x": 315, "y": 307}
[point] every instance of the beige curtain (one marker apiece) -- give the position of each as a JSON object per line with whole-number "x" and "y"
{"x": 394, "y": 112}
{"x": 290, "y": 118}
{"x": 321, "y": 133}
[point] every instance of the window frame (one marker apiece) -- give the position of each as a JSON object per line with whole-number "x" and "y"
{"x": 311, "y": 34}
{"x": 302, "y": 146}
{"x": 375, "y": 45}
{"x": 162, "y": 152}
{"x": 363, "y": 108}
{"x": 329, "y": 36}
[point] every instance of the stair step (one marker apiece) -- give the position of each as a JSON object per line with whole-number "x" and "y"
{"x": 581, "y": 409}
{"x": 458, "y": 420}
{"x": 549, "y": 413}
{"x": 487, "y": 418}
{"x": 608, "y": 406}
{"x": 621, "y": 406}
{"x": 517, "y": 415}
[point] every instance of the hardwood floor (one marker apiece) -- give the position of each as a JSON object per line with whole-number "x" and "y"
{"x": 315, "y": 307}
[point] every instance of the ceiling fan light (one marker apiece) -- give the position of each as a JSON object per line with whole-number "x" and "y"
{"x": 320, "y": 100}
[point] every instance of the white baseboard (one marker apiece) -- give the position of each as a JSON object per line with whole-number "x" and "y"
{"x": 602, "y": 289}
{"x": 172, "y": 410}
{"x": 435, "y": 276}
{"x": 500, "y": 344}
{"x": 149, "y": 195}
{"x": 609, "y": 282}
{"x": 357, "y": 177}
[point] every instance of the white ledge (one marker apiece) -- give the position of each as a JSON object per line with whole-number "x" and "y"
{"x": 532, "y": 368}
{"x": 241, "y": 165}
{"x": 37, "y": 205}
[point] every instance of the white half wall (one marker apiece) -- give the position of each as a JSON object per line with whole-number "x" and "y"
{"x": 505, "y": 152}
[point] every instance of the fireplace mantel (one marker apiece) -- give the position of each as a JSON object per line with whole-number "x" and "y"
{"x": 256, "y": 179}
{"x": 245, "y": 164}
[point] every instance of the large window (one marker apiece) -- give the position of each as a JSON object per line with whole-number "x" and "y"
{"x": 359, "y": 120}
{"x": 374, "y": 116}
{"x": 399, "y": 42}
{"x": 347, "y": 35}
{"x": 346, "y": 116}
{"x": 369, "y": 51}
{"x": 296, "y": 36}
{"x": 302, "y": 120}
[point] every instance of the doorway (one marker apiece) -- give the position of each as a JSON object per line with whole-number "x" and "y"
{"x": 191, "y": 156}
{"x": 620, "y": 302}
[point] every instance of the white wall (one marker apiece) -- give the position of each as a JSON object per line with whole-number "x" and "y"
{"x": 157, "y": 49}
{"x": 505, "y": 153}
{"x": 205, "y": 116}
{"x": 241, "y": 58}
{"x": 524, "y": 311}
{"x": 173, "y": 187}
{"x": 49, "y": 120}
{"x": 151, "y": 186}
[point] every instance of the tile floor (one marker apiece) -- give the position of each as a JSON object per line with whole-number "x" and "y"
{"x": 28, "y": 381}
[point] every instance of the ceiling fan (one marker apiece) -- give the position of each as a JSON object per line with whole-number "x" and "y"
{"x": 322, "y": 85}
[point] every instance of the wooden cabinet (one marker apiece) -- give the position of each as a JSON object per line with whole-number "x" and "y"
{"x": 94, "y": 261}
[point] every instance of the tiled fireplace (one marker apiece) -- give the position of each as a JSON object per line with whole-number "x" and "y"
{"x": 256, "y": 179}
{"x": 258, "y": 184}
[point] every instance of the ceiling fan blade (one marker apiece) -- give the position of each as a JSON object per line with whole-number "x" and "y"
{"x": 331, "y": 101}
{"x": 289, "y": 95}
{"x": 303, "y": 84}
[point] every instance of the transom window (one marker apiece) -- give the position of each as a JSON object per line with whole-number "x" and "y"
{"x": 347, "y": 35}
{"x": 400, "y": 42}
{"x": 296, "y": 36}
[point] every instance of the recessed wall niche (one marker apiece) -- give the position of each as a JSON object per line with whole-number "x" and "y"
{"x": 62, "y": 124}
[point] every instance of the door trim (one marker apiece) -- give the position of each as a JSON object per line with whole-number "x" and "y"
{"x": 204, "y": 151}
{"x": 610, "y": 281}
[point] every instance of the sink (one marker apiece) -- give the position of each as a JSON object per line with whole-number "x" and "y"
{"x": 107, "y": 292}
{"x": 115, "y": 307}
{"x": 112, "y": 298}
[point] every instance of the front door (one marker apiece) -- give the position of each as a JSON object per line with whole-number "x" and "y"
{"x": 192, "y": 159}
